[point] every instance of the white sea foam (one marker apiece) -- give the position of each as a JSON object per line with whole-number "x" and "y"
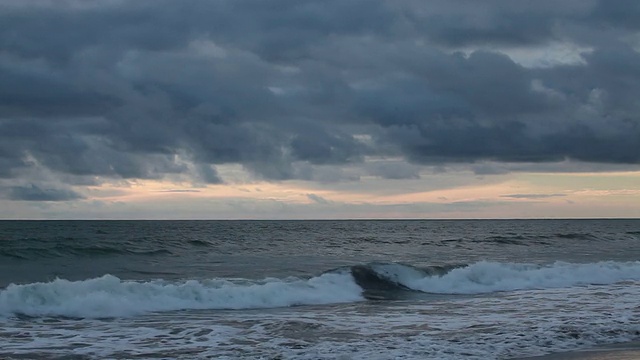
{"x": 108, "y": 296}
{"x": 485, "y": 277}
{"x": 505, "y": 326}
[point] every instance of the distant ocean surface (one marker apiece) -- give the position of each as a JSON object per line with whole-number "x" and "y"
{"x": 476, "y": 289}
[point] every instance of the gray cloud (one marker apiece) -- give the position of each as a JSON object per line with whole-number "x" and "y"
{"x": 532, "y": 196}
{"x": 394, "y": 170}
{"x": 180, "y": 191}
{"x": 150, "y": 89}
{"x": 318, "y": 199}
{"x": 36, "y": 193}
{"x": 459, "y": 23}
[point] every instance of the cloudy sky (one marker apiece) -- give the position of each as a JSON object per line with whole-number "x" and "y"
{"x": 223, "y": 109}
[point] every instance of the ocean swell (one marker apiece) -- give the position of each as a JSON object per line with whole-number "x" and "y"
{"x": 109, "y": 296}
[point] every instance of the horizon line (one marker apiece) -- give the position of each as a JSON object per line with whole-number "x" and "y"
{"x": 334, "y": 219}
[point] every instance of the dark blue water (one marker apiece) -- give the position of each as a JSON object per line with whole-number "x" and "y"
{"x": 455, "y": 289}
{"x": 43, "y": 250}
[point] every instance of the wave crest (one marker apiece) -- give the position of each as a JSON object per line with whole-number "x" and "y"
{"x": 487, "y": 277}
{"x": 109, "y": 296}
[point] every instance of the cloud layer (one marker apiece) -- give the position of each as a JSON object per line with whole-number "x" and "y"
{"x": 166, "y": 89}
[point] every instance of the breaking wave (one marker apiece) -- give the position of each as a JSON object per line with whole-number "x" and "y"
{"x": 487, "y": 277}
{"x": 109, "y": 296}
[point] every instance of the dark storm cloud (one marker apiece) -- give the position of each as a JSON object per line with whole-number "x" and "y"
{"x": 24, "y": 93}
{"x": 394, "y": 170}
{"x": 145, "y": 89}
{"x": 36, "y": 193}
{"x": 618, "y": 13}
{"x": 461, "y": 23}
{"x": 315, "y": 145}
{"x": 208, "y": 174}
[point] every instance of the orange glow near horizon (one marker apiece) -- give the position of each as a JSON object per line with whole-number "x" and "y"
{"x": 513, "y": 195}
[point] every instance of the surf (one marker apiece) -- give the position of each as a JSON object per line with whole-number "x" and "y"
{"x": 110, "y": 296}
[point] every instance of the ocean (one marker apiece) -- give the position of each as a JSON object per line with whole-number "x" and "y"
{"x": 370, "y": 289}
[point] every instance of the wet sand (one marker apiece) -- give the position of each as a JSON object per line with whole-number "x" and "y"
{"x": 624, "y": 351}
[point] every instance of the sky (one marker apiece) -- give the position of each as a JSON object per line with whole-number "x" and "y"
{"x": 306, "y": 109}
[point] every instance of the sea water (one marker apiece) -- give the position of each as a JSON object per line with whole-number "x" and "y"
{"x": 410, "y": 289}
